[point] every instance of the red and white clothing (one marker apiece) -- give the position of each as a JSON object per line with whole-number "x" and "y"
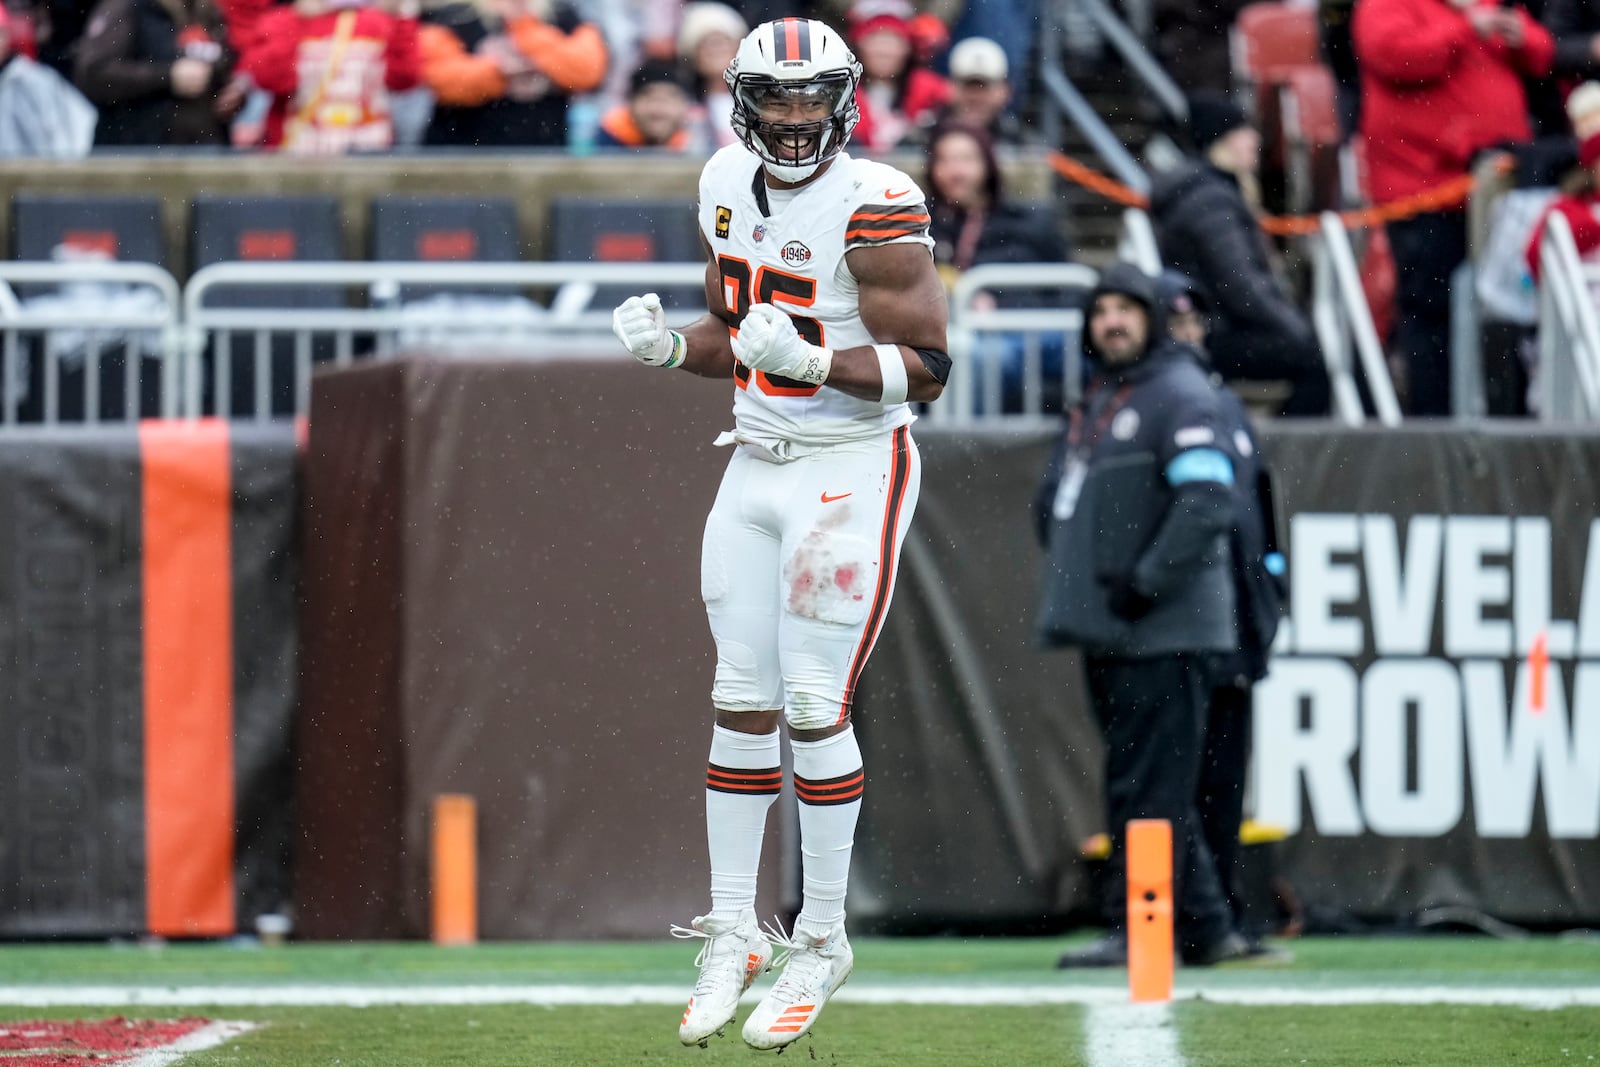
{"x": 888, "y": 122}
{"x": 330, "y": 76}
{"x": 1582, "y": 211}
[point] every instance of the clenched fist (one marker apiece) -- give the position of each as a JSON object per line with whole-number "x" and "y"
{"x": 641, "y": 326}
{"x": 768, "y": 342}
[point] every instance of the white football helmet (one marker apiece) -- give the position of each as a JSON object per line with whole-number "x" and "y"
{"x": 794, "y": 95}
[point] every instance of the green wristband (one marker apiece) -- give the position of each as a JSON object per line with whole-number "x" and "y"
{"x": 680, "y": 350}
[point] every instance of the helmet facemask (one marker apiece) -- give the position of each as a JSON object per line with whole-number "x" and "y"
{"x": 796, "y": 114}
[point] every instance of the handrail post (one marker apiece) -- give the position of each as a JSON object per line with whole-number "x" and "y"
{"x": 1353, "y": 301}
{"x": 1573, "y": 367}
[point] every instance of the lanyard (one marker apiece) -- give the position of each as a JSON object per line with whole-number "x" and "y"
{"x": 1101, "y": 421}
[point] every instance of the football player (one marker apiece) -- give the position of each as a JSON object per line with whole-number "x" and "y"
{"x": 826, "y": 311}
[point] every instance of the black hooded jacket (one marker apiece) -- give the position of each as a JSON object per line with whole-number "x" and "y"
{"x": 1206, "y": 231}
{"x": 1135, "y": 507}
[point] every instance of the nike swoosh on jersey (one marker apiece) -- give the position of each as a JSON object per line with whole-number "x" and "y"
{"x": 896, "y": 196}
{"x": 826, "y": 499}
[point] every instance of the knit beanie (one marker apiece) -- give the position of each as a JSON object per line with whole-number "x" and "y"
{"x": 702, "y": 19}
{"x": 1583, "y": 110}
{"x": 1211, "y": 117}
{"x": 869, "y": 16}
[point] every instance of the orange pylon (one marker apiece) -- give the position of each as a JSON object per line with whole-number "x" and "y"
{"x": 1149, "y": 866}
{"x": 455, "y": 869}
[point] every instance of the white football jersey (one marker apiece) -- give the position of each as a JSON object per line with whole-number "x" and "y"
{"x": 794, "y": 258}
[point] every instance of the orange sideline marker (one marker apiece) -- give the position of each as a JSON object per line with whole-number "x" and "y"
{"x": 455, "y": 869}
{"x": 1149, "y": 859}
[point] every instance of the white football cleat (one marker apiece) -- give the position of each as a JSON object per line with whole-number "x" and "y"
{"x": 815, "y": 969}
{"x": 734, "y": 955}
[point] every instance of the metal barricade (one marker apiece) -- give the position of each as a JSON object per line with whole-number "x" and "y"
{"x": 492, "y": 313}
{"x": 987, "y": 342}
{"x": 1343, "y": 321}
{"x": 70, "y": 320}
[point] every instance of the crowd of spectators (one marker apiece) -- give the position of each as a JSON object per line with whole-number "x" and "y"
{"x": 1429, "y": 85}
{"x": 1427, "y": 89}
{"x": 321, "y": 77}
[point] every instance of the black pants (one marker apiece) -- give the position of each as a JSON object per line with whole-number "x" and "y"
{"x": 1427, "y": 249}
{"x": 1152, "y": 713}
{"x": 1220, "y": 796}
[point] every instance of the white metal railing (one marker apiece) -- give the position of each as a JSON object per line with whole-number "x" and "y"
{"x": 1343, "y": 321}
{"x": 1005, "y": 357}
{"x": 497, "y": 315}
{"x": 1136, "y": 241}
{"x": 72, "y": 316}
{"x": 990, "y": 344}
{"x": 1568, "y": 376}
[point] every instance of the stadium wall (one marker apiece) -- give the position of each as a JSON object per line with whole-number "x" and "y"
{"x": 147, "y": 632}
{"x": 1400, "y": 743}
{"x": 501, "y": 598}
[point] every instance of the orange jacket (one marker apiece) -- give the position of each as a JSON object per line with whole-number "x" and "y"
{"x": 619, "y": 130}
{"x": 575, "y": 62}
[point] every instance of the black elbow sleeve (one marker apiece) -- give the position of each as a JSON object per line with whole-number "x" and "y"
{"x": 937, "y": 362}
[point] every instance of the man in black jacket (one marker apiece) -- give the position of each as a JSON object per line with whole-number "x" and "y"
{"x": 1134, "y": 512}
{"x": 1205, "y": 230}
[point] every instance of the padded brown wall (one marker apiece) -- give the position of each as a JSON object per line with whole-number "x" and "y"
{"x": 503, "y": 594}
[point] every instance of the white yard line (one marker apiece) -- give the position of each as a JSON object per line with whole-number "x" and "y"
{"x": 1131, "y": 1035}
{"x": 46, "y": 996}
{"x": 208, "y": 1036}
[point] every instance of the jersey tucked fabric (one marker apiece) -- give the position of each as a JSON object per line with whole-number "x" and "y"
{"x": 794, "y": 258}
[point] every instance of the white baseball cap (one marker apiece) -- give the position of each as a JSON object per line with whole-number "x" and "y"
{"x": 978, "y": 58}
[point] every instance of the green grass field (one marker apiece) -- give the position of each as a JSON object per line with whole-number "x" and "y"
{"x": 1440, "y": 1001}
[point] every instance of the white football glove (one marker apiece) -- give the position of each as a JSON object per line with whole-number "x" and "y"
{"x": 768, "y": 342}
{"x": 641, "y": 326}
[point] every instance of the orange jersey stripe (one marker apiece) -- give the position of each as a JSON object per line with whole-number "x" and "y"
{"x": 881, "y": 235}
{"x": 889, "y": 216}
{"x": 884, "y": 222}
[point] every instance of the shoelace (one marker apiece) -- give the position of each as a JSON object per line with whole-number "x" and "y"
{"x": 710, "y": 977}
{"x": 802, "y": 975}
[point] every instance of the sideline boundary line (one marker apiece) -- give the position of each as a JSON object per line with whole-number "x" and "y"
{"x": 1131, "y": 1035}
{"x": 361, "y": 996}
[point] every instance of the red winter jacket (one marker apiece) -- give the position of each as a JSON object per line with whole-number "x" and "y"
{"x": 1433, "y": 92}
{"x": 273, "y": 56}
{"x": 1580, "y": 212}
